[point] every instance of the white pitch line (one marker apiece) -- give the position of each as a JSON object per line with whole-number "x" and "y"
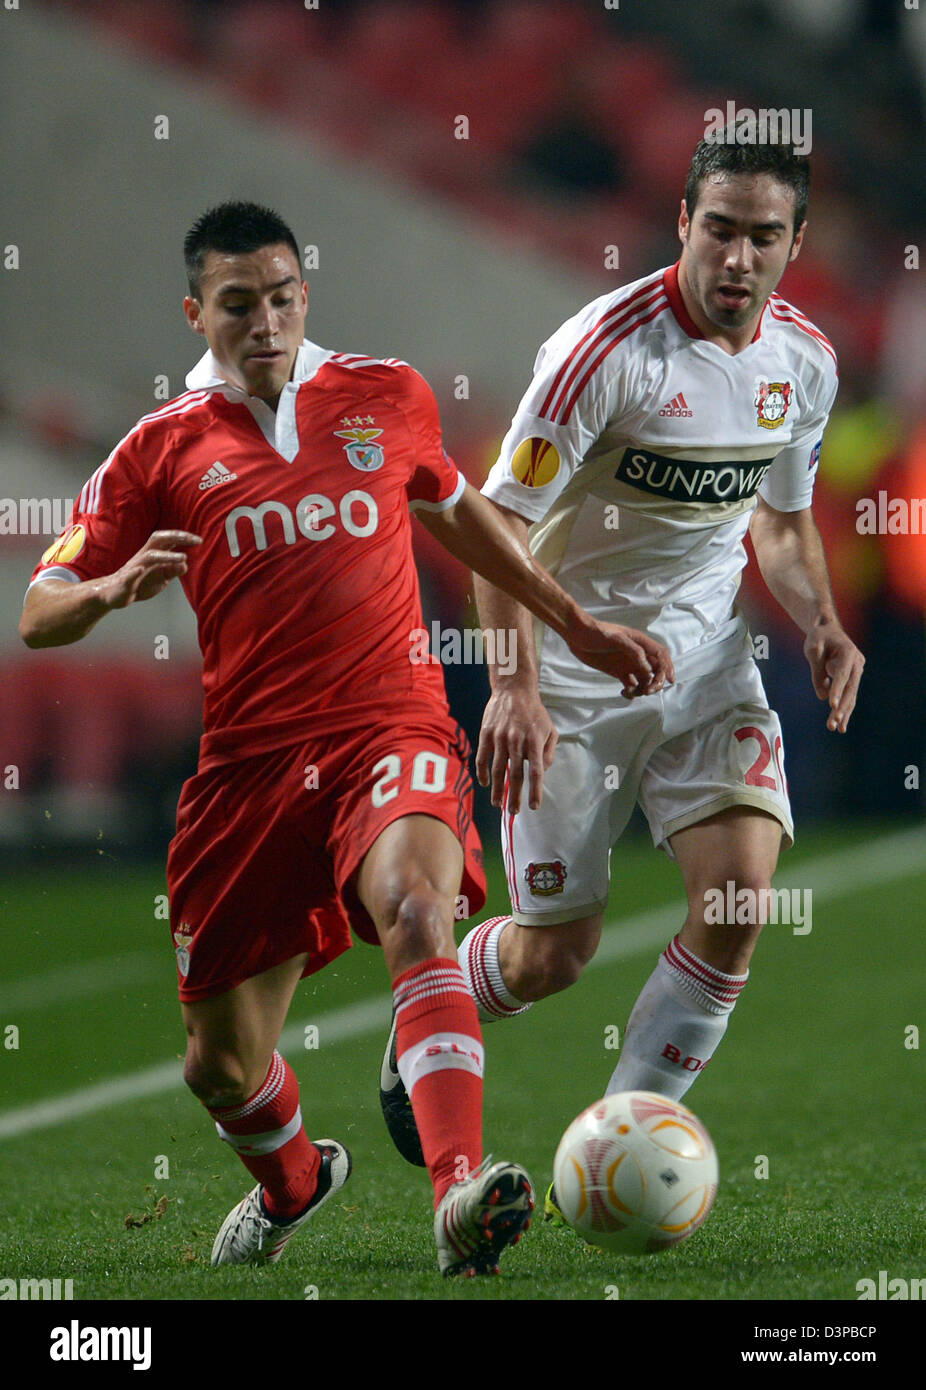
{"x": 77, "y": 981}
{"x": 830, "y": 877}
{"x": 353, "y": 1021}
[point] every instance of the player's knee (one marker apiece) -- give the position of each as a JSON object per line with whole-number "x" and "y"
{"x": 539, "y": 961}
{"x": 420, "y": 917}
{"x": 216, "y": 1078}
{"x": 554, "y": 967}
{"x": 735, "y": 899}
{"x": 563, "y": 971}
{"x": 727, "y": 916}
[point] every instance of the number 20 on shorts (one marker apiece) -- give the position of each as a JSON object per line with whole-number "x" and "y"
{"x": 429, "y": 774}
{"x": 756, "y": 775}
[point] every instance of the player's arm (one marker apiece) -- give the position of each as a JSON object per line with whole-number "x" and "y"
{"x": 57, "y": 612}
{"x": 475, "y": 533}
{"x": 492, "y": 541}
{"x": 515, "y": 724}
{"x": 790, "y": 553}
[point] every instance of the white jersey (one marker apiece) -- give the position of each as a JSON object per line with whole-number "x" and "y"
{"x": 638, "y": 451}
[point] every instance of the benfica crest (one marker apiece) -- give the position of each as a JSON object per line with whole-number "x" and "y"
{"x": 362, "y": 453}
{"x": 546, "y": 879}
{"x": 771, "y": 402}
{"x": 182, "y": 939}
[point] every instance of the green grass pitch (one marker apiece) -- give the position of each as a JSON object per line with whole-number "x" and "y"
{"x": 818, "y": 1082}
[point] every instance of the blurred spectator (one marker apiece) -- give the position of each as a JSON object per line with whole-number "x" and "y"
{"x": 903, "y": 358}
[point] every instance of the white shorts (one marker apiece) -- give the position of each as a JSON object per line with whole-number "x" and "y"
{"x": 707, "y": 743}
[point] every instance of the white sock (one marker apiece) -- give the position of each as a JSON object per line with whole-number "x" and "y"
{"x": 676, "y": 1024}
{"x": 478, "y": 957}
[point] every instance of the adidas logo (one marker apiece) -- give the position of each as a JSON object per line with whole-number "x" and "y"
{"x": 678, "y": 406}
{"x": 218, "y": 473}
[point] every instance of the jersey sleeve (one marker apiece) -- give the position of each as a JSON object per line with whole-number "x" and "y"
{"x": 114, "y": 515}
{"x": 435, "y": 483}
{"x": 567, "y": 406}
{"x": 788, "y": 484}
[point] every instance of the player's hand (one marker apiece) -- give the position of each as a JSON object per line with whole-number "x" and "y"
{"x": 836, "y": 665}
{"x": 150, "y": 570}
{"x": 638, "y": 661}
{"x": 515, "y": 728}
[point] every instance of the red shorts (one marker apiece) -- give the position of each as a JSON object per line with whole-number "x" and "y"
{"x": 262, "y": 864}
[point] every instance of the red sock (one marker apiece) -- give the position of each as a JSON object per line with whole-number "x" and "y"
{"x": 439, "y": 1052}
{"x": 266, "y": 1133}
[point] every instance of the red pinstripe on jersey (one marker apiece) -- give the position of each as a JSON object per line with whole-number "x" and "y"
{"x": 587, "y": 346}
{"x": 654, "y": 310}
{"x": 784, "y": 312}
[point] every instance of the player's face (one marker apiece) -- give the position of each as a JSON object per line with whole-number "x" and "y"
{"x": 251, "y": 311}
{"x": 735, "y": 250}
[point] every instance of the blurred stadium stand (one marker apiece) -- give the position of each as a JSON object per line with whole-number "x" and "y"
{"x": 460, "y": 255}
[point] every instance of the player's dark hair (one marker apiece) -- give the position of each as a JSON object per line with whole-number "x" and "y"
{"x": 721, "y": 153}
{"x": 234, "y": 229}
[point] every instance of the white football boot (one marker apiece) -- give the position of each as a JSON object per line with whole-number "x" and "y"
{"x": 250, "y": 1236}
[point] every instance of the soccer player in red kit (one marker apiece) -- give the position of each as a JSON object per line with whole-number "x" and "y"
{"x": 332, "y": 789}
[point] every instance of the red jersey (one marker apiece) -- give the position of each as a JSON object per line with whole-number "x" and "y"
{"x": 304, "y": 586}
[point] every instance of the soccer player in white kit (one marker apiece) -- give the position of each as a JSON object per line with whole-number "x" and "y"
{"x": 663, "y": 420}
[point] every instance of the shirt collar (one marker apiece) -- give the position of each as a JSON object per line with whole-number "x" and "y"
{"x": 207, "y": 373}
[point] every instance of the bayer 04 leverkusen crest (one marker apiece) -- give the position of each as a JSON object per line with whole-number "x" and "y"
{"x": 546, "y": 879}
{"x": 771, "y": 402}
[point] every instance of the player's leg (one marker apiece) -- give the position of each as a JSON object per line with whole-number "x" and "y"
{"x": 542, "y": 961}
{"x": 716, "y": 798}
{"x": 556, "y": 862}
{"x": 740, "y": 846}
{"x": 408, "y": 882}
{"x": 683, "y": 1010}
{"x": 557, "y": 859}
{"x": 231, "y": 1037}
{"x": 558, "y": 910}
{"x": 237, "y": 874}
{"x": 509, "y": 965}
{"x": 232, "y": 1066}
